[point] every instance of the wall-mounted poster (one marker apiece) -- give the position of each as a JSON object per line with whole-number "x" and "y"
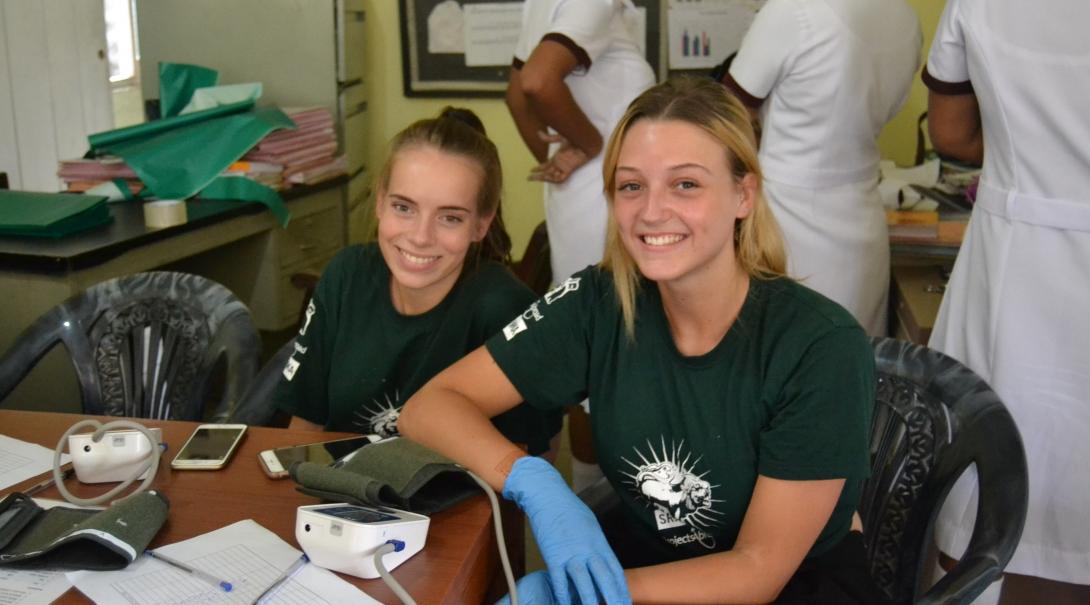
{"x": 702, "y": 33}
{"x": 459, "y": 48}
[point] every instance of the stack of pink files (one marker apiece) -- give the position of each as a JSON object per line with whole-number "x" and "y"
{"x": 82, "y": 174}
{"x": 308, "y": 153}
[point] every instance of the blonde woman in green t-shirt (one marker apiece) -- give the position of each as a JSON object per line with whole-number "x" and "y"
{"x": 730, "y": 405}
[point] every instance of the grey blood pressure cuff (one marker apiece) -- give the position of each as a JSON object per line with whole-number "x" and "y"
{"x": 76, "y": 538}
{"x": 397, "y": 473}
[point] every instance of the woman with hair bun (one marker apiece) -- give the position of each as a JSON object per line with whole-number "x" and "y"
{"x": 389, "y": 315}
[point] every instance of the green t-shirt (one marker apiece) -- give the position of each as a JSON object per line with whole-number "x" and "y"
{"x": 787, "y": 393}
{"x": 357, "y": 360}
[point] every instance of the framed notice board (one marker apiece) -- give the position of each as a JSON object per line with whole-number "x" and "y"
{"x": 463, "y": 48}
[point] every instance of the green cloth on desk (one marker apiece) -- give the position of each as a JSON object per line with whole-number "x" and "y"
{"x": 397, "y": 473}
{"x": 243, "y": 189}
{"x": 50, "y": 215}
{"x": 177, "y": 83}
{"x": 178, "y": 163}
{"x": 102, "y": 142}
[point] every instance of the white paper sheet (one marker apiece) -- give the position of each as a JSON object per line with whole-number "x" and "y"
{"x": 20, "y": 461}
{"x": 39, "y": 587}
{"x": 491, "y": 32}
{"x": 244, "y": 553}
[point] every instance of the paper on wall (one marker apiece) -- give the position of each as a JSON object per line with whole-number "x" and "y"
{"x": 491, "y": 32}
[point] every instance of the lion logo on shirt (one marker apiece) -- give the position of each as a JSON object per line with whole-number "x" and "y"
{"x": 380, "y": 418}
{"x": 680, "y": 498}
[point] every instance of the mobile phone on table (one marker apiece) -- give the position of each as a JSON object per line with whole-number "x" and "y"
{"x": 209, "y": 447}
{"x": 277, "y": 461}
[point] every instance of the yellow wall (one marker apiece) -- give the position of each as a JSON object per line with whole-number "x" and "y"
{"x": 391, "y": 111}
{"x": 898, "y": 140}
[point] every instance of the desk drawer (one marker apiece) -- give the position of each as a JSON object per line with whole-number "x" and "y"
{"x": 310, "y": 236}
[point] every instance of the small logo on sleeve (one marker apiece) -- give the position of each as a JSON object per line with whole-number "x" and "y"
{"x": 512, "y": 329}
{"x": 290, "y": 368}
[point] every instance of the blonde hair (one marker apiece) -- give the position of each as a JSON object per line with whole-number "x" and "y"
{"x": 758, "y": 244}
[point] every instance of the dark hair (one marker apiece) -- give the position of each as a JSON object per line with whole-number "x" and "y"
{"x": 459, "y": 131}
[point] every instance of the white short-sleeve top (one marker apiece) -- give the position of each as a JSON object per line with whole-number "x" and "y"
{"x": 611, "y": 70}
{"x": 1029, "y": 65}
{"x": 828, "y": 74}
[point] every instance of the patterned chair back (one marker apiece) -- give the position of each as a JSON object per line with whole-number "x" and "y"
{"x": 934, "y": 417}
{"x": 146, "y": 345}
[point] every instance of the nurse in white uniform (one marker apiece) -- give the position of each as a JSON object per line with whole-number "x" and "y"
{"x": 1010, "y": 83}
{"x": 826, "y": 76}
{"x": 577, "y": 67}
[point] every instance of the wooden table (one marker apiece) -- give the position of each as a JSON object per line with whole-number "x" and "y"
{"x": 459, "y": 564}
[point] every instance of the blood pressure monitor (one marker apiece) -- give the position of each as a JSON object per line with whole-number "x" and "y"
{"x": 344, "y": 537}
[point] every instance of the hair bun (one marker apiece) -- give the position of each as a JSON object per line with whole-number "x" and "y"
{"x": 463, "y": 115}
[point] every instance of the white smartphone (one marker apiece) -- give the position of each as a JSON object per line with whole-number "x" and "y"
{"x": 277, "y": 461}
{"x": 209, "y": 447}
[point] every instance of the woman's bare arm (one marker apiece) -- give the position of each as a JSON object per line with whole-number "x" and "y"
{"x": 451, "y": 415}
{"x": 782, "y": 523}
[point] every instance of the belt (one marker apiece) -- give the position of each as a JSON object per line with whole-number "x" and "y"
{"x": 1042, "y": 211}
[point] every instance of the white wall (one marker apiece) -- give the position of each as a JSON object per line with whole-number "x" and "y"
{"x": 54, "y": 86}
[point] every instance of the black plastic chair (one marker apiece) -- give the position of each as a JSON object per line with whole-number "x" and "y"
{"x": 146, "y": 345}
{"x": 255, "y": 408}
{"x": 933, "y": 417}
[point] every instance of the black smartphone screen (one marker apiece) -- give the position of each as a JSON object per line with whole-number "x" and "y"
{"x": 320, "y": 453}
{"x": 209, "y": 444}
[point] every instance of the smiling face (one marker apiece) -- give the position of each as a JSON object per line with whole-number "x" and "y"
{"x": 427, "y": 219}
{"x": 676, "y": 201}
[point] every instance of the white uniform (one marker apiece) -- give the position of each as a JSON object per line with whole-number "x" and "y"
{"x": 1017, "y": 310}
{"x": 611, "y": 74}
{"x": 830, "y": 73}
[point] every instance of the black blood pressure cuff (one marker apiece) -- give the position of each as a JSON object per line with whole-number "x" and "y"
{"x": 76, "y": 538}
{"x": 397, "y": 473}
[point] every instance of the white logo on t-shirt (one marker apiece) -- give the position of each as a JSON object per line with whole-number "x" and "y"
{"x": 310, "y": 315}
{"x": 512, "y": 329}
{"x": 533, "y": 312}
{"x": 678, "y": 495}
{"x": 381, "y": 419}
{"x": 290, "y": 368}
{"x": 568, "y": 285}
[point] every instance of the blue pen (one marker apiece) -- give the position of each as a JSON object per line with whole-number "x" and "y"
{"x": 207, "y": 577}
{"x": 289, "y": 572}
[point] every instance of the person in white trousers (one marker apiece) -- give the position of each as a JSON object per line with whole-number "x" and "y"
{"x": 576, "y": 68}
{"x": 1009, "y": 83}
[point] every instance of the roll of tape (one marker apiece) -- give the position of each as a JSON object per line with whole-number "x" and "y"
{"x": 164, "y": 213}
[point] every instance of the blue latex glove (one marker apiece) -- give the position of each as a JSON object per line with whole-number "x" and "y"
{"x": 533, "y": 589}
{"x": 568, "y": 536}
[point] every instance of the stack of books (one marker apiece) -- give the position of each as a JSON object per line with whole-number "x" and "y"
{"x": 308, "y": 153}
{"x": 83, "y": 174}
{"x": 912, "y": 224}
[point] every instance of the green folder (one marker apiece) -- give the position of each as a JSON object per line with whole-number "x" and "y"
{"x": 52, "y": 215}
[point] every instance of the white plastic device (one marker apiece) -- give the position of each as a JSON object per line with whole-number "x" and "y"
{"x": 116, "y": 457}
{"x": 344, "y": 537}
